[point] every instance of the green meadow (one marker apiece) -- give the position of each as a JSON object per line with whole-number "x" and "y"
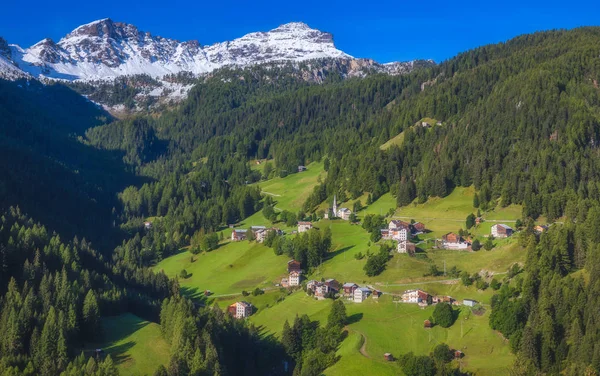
{"x": 380, "y": 326}
{"x": 233, "y": 267}
{"x": 291, "y": 191}
{"x": 135, "y": 345}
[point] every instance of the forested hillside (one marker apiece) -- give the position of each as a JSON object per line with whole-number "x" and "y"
{"x": 520, "y": 121}
{"x": 46, "y": 169}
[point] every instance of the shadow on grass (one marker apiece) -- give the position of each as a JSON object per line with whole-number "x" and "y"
{"x": 339, "y": 251}
{"x": 195, "y": 294}
{"x": 118, "y": 353}
{"x": 355, "y": 318}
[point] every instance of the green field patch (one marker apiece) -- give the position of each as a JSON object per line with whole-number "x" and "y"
{"x": 396, "y": 328}
{"x": 397, "y": 141}
{"x": 234, "y": 266}
{"x": 135, "y": 345}
{"x": 291, "y": 191}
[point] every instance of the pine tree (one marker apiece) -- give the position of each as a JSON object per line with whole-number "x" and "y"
{"x": 337, "y": 316}
{"x": 48, "y": 342}
{"x": 91, "y": 316}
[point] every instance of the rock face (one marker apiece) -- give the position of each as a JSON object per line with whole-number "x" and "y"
{"x": 105, "y": 49}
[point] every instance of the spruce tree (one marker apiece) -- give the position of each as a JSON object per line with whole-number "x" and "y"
{"x": 91, "y": 316}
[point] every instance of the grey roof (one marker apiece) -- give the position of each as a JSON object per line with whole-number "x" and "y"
{"x": 363, "y": 289}
{"x": 349, "y": 284}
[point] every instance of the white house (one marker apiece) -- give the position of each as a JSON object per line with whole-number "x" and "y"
{"x": 360, "y": 294}
{"x": 241, "y": 310}
{"x": 470, "y": 302}
{"x": 344, "y": 213}
{"x": 294, "y": 278}
{"x": 414, "y": 296}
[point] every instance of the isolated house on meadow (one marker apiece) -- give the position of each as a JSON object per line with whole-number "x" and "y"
{"x": 469, "y": 302}
{"x": 239, "y": 235}
{"x": 540, "y": 228}
{"x": 301, "y": 168}
{"x": 240, "y": 310}
{"x": 453, "y": 241}
{"x": 304, "y": 226}
{"x": 147, "y": 225}
{"x": 501, "y": 231}
{"x": 360, "y": 294}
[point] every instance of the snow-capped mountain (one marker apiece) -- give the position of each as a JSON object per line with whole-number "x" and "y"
{"x": 105, "y": 49}
{"x": 8, "y": 70}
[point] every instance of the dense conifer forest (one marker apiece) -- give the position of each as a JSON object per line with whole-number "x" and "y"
{"x": 520, "y": 121}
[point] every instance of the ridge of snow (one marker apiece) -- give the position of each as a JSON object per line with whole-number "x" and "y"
{"x": 104, "y": 49}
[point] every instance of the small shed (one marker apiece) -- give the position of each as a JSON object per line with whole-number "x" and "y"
{"x": 389, "y": 357}
{"x": 427, "y": 324}
{"x": 458, "y": 354}
{"x": 470, "y": 302}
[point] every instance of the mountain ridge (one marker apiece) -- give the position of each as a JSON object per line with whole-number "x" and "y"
{"x": 104, "y": 50}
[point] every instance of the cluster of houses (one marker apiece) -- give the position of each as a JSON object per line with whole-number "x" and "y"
{"x": 402, "y": 232}
{"x": 423, "y": 299}
{"x": 350, "y": 291}
{"x": 454, "y": 241}
{"x": 260, "y": 233}
{"x": 240, "y": 310}
{"x": 323, "y": 289}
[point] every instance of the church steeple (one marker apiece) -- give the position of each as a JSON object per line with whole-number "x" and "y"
{"x": 334, "y": 206}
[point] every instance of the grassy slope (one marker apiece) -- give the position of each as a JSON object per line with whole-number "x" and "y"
{"x": 447, "y": 214}
{"x": 395, "y": 328}
{"x": 349, "y": 240}
{"x": 233, "y": 267}
{"x": 396, "y": 140}
{"x": 291, "y": 192}
{"x": 136, "y": 346}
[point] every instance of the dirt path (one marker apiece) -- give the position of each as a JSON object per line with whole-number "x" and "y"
{"x": 270, "y": 194}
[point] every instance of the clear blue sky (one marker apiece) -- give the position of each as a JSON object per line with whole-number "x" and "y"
{"x": 384, "y": 30}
